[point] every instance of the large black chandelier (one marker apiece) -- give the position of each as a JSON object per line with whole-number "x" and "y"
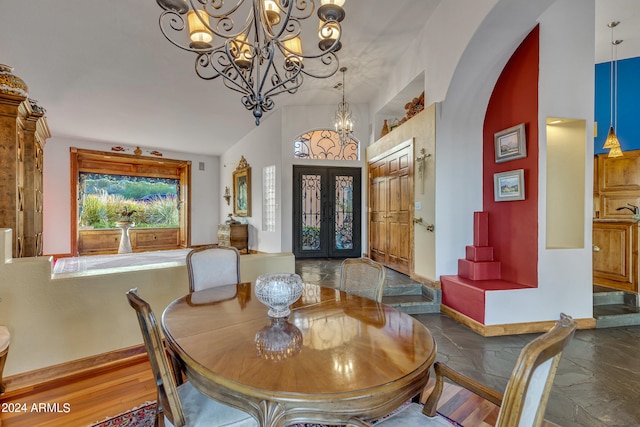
{"x": 260, "y": 56}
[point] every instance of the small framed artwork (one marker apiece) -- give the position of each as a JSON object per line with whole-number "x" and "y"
{"x": 508, "y": 185}
{"x": 242, "y": 189}
{"x": 511, "y": 144}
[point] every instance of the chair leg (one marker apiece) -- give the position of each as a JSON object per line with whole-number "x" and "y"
{"x": 3, "y": 359}
{"x": 431, "y": 404}
{"x": 176, "y": 367}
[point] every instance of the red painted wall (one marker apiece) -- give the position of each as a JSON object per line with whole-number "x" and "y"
{"x": 513, "y": 225}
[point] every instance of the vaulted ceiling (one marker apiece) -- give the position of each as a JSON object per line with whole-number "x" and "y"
{"x": 104, "y": 72}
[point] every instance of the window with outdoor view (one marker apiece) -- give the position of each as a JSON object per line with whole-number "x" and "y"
{"x": 105, "y": 199}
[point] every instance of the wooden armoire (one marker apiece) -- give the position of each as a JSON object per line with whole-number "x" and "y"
{"x": 23, "y": 134}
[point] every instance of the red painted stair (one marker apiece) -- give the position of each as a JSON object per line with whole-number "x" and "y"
{"x": 478, "y": 273}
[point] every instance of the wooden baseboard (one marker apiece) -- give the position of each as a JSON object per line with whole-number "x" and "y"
{"x": 428, "y": 282}
{"x": 511, "y": 328}
{"x": 53, "y": 376}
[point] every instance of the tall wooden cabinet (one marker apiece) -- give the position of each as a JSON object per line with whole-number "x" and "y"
{"x": 23, "y": 134}
{"x": 616, "y": 244}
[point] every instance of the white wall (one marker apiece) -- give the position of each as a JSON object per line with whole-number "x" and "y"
{"x": 460, "y": 125}
{"x": 566, "y": 89}
{"x": 272, "y": 144}
{"x": 205, "y": 196}
{"x": 260, "y": 148}
{"x": 55, "y": 319}
{"x": 463, "y": 50}
{"x": 436, "y": 50}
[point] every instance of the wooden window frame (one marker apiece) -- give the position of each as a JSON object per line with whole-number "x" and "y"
{"x": 92, "y": 161}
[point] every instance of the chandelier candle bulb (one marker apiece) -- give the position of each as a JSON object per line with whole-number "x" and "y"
{"x": 331, "y": 10}
{"x": 242, "y": 51}
{"x": 332, "y": 2}
{"x": 272, "y": 12}
{"x": 293, "y": 50}
{"x": 329, "y": 33}
{"x": 199, "y": 34}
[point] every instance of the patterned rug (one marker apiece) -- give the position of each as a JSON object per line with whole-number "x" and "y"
{"x": 143, "y": 416}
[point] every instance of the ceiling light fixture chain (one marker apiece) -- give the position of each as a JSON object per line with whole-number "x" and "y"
{"x": 612, "y": 142}
{"x": 344, "y": 117}
{"x": 261, "y": 56}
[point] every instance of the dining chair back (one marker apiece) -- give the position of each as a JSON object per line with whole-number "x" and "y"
{"x": 179, "y": 405}
{"x": 213, "y": 265}
{"x": 363, "y": 277}
{"x": 525, "y": 398}
{"x": 5, "y": 339}
{"x": 168, "y": 400}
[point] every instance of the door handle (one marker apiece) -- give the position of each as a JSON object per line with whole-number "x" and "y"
{"x": 596, "y": 248}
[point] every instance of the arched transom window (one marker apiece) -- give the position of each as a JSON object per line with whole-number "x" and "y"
{"x": 325, "y": 144}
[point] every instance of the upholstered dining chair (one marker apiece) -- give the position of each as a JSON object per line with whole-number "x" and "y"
{"x": 363, "y": 277}
{"x": 180, "y": 405}
{"x": 5, "y": 339}
{"x": 213, "y": 265}
{"x": 525, "y": 399}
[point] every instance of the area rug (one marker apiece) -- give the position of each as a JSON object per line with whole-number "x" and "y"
{"x": 141, "y": 416}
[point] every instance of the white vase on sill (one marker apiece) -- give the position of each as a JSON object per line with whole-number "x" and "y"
{"x": 125, "y": 240}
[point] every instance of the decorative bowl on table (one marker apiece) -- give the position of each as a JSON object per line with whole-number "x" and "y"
{"x": 278, "y": 291}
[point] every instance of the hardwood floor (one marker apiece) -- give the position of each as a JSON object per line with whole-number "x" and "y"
{"x": 93, "y": 397}
{"x": 81, "y": 401}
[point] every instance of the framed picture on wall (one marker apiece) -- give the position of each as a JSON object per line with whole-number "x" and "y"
{"x": 510, "y": 144}
{"x": 508, "y": 185}
{"x": 242, "y": 189}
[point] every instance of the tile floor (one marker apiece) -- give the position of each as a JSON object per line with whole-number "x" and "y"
{"x": 598, "y": 380}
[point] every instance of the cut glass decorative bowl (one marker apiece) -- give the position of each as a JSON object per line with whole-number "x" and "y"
{"x": 278, "y": 291}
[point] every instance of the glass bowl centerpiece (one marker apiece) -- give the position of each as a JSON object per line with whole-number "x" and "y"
{"x": 278, "y": 291}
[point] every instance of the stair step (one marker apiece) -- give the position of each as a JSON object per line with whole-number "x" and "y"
{"x": 608, "y": 298}
{"x": 468, "y": 296}
{"x": 479, "y": 253}
{"x": 412, "y": 304}
{"x": 479, "y": 270}
{"x": 403, "y": 289}
{"x": 616, "y": 315}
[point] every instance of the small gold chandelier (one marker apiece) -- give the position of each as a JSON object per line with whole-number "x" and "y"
{"x": 344, "y": 121}
{"x": 612, "y": 142}
{"x": 255, "y": 46}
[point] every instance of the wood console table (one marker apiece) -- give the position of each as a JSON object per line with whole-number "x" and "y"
{"x": 236, "y": 235}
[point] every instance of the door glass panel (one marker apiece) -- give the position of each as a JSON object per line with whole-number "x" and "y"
{"x": 344, "y": 212}
{"x": 311, "y": 212}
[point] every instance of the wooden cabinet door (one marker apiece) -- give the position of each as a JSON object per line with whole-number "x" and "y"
{"x": 615, "y": 255}
{"x": 619, "y": 173}
{"x": 378, "y": 196}
{"x": 391, "y": 209}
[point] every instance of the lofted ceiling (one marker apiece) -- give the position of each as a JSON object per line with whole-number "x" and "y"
{"x": 104, "y": 72}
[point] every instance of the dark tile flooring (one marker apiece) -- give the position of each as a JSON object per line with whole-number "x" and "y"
{"x": 598, "y": 380}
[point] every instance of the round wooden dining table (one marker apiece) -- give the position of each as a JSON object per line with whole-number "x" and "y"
{"x": 336, "y": 356}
